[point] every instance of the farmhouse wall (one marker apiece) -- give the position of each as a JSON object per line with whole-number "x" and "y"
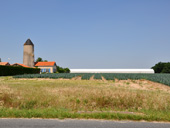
{"x": 52, "y": 69}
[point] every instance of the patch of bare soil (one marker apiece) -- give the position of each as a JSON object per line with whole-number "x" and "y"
{"x": 92, "y": 78}
{"x": 77, "y": 78}
{"x": 104, "y": 79}
{"x": 142, "y": 85}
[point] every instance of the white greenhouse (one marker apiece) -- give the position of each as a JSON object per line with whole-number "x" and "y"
{"x": 111, "y": 71}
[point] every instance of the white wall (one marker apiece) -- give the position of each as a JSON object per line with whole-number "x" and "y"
{"x": 111, "y": 71}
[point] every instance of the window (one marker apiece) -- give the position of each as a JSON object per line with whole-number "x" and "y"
{"x": 47, "y": 70}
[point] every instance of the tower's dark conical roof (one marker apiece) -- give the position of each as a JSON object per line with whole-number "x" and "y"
{"x": 28, "y": 42}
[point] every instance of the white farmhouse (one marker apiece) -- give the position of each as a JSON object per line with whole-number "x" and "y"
{"x": 48, "y": 67}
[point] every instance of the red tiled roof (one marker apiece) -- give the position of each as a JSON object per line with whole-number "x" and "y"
{"x": 20, "y": 65}
{"x": 45, "y": 63}
{"x": 4, "y": 63}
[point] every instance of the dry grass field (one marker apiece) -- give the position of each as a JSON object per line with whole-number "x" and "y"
{"x": 100, "y": 99}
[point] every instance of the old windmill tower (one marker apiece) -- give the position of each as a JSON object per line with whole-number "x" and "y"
{"x": 28, "y": 58}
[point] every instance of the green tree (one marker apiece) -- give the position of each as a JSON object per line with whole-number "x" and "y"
{"x": 62, "y": 70}
{"x": 166, "y": 68}
{"x": 67, "y": 70}
{"x": 39, "y": 59}
{"x": 0, "y": 59}
{"x": 162, "y": 67}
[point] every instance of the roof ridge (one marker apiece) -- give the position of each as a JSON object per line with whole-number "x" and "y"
{"x": 49, "y": 63}
{"x": 28, "y": 42}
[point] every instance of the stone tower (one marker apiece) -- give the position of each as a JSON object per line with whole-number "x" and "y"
{"x": 28, "y": 58}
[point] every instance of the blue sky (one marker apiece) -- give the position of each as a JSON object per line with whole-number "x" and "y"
{"x": 87, "y": 33}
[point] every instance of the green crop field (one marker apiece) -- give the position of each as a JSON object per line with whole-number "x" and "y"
{"x": 160, "y": 78}
{"x": 87, "y": 76}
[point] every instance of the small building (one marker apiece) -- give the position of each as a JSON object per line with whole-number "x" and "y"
{"x": 5, "y": 63}
{"x": 48, "y": 67}
{"x": 20, "y": 65}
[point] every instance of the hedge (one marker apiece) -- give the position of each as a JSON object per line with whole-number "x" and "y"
{"x": 11, "y": 70}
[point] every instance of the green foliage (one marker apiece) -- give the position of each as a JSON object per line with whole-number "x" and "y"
{"x": 0, "y": 59}
{"x": 87, "y": 76}
{"x": 166, "y": 68}
{"x": 39, "y": 59}
{"x": 50, "y": 75}
{"x": 10, "y": 70}
{"x": 98, "y": 76}
{"x": 62, "y": 70}
{"x": 162, "y": 67}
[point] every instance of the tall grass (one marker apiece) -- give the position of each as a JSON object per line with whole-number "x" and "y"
{"x": 74, "y": 96}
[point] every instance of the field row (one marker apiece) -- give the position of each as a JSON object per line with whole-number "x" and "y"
{"x": 160, "y": 78}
